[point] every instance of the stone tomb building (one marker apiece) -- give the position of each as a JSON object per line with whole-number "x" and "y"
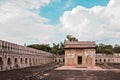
{"x": 80, "y": 54}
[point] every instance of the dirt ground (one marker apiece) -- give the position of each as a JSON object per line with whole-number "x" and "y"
{"x": 48, "y": 72}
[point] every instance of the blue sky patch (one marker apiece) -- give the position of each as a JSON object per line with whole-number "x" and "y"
{"x": 56, "y": 8}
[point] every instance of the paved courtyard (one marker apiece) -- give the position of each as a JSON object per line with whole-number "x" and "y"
{"x": 83, "y": 75}
{"x": 48, "y": 72}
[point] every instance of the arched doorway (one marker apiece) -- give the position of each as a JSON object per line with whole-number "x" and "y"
{"x": 104, "y": 60}
{"x": 59, "y": 60}
{"x": 16, "y": 63}
{"x": 1, "y": 63}
{"x": 100, "y": 60}
{"x": 26, "y": 61}
{"x": 79, "y": 59}
{"x": 21, "y": 61}
{"x": 16, "y": 60}
{"x": 9, "y": 63}
{"x": 55, "y": 60}
{"x": 30, "y": 63}
{"x": 96, "y": 60}
{"x": 89, "y": 60}
{"x": 63, "y": 60}
{"x": 33, "y": 61}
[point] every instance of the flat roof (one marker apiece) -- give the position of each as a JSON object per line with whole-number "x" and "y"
{"x": 79, "y": 44}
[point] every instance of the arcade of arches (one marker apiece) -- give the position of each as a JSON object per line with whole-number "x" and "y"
{"x": 99, "y": 58}
{"x": 103, "y": 58}
{"x": 14, "y": 56}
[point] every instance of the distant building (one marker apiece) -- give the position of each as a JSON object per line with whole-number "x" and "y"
{"x": 80, "y": 54}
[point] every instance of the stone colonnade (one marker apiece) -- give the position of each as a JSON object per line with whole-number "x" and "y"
{"x": 99, "y": 58}
{"x": 59, "y": 59}
{"x": 102, "y": 58}
{"x": 14, "y": 56}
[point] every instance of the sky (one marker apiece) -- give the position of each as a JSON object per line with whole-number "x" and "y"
{"x": 49, "y": 21}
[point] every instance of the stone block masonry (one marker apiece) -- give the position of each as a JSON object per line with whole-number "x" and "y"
{"x": 80, "y": 54}
{"x": 14, "y": 56}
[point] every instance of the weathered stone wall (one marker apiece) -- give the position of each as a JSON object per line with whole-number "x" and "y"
{"x": 14, "y": 56}
{"x": 59, "y": 59}
{"x": 88, "y": 57}
{"x": 99, "y": 58}
{"x": 80, "y": 53}
{"x": 103, "y": 58}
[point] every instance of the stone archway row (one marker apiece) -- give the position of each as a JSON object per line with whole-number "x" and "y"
{"x": 9, "y": 62}
{"x": 107, "y": 60}
{"x": 14, "y": 56}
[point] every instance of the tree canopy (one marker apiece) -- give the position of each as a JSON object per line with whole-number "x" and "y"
{"x": 44, "y": 47}
{"x": 71, "y": 38}
{"x": 58, "y": 48}
{"x": 107, "y": 49}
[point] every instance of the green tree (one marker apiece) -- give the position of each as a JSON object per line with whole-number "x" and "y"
{"x": 44, "y": 47}
{"x": 102, "y": 48}
{"x": 116, "y": 49}
{"x": 61, "y": 49}
{"x": 58, "y": 49}
{"x": 71, "y": 38}
{"x": 108, "y": 51}
{"x": 55, "y": 49}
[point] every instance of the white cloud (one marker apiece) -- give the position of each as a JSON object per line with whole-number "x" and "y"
{"x": 18, "y": 23}
{"x": 96, "y": 23}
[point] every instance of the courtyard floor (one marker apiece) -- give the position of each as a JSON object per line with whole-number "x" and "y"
{"x": 49, "y": 72}
{"x": 82, "y": 75}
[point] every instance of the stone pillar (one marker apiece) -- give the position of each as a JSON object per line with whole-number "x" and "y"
{"x": 7, "y": 45}
{"x": 19, "y": 63}
{"x": 10, "y": 47}
{"x": 4, "y": 62}
{"x": 66, "y": 60}
{"x": 94, "y": 57}
{"x": 28, "y": 61}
